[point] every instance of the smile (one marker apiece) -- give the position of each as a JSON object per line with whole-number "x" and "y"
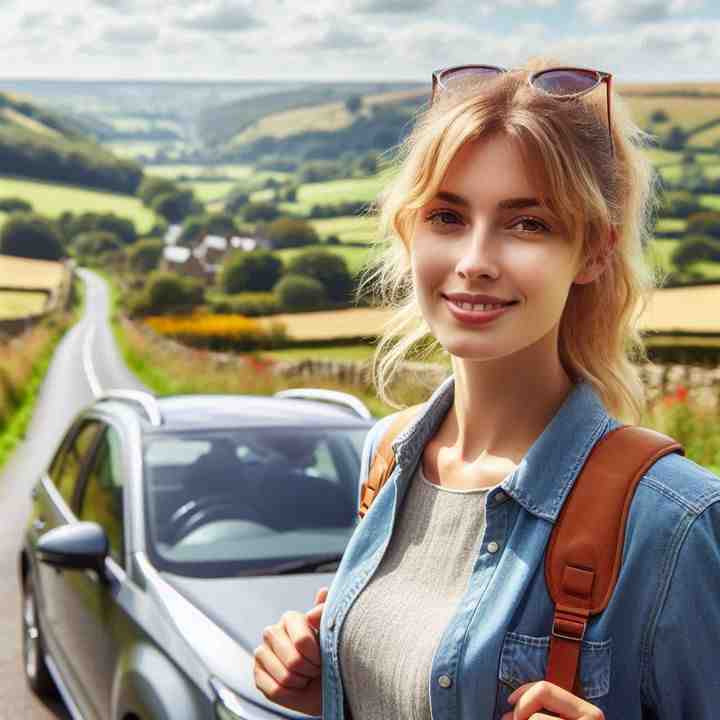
{"x": 476, "y": 314}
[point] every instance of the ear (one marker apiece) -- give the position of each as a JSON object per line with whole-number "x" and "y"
{"x": 594, "y": 266}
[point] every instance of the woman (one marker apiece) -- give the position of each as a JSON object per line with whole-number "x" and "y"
{"x": 517, "y": 222}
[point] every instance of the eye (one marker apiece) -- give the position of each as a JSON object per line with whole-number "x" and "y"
{"x": 532, "y": 225}
{"x": 443, "y": 218}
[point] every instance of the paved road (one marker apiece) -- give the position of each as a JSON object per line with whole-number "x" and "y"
{"x": 85, "y": 364}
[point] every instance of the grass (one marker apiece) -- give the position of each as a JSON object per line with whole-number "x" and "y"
{"x": 711, "y": 202}
{"x": 356, "y": 229}
{"x": 52, "y": 199}
{"x": 209, "y": 190}
{"x": 688, "y": 112}
{"x": 21, "y": 304}
{"x": 676, "y": 225}
{"x": 24, "y": 364}
{"x": 355, "y": 257}
{"x": 239, "y": 172}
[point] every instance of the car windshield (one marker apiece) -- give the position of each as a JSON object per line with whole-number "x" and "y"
{"x": 250, "y": 501}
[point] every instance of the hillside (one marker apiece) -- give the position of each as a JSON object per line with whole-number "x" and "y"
{"x": 37, "y": 143}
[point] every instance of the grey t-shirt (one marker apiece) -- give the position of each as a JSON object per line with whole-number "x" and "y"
{"x": 390, "y": 634}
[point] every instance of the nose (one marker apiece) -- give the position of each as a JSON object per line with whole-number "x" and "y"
{"x": 478, "y": 255}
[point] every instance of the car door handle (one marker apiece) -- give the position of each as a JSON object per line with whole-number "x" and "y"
{"x": 38, "y": 525}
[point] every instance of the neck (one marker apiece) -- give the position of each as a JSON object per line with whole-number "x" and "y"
{"x": 502, "y": 406}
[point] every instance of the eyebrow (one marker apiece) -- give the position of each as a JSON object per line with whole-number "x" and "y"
{"x": 509, "y": 204}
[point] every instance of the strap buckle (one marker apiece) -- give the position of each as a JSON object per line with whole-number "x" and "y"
{"x": 569, "y": 628}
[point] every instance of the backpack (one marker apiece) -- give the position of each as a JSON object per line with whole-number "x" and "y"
{"x": 583, "y": 556}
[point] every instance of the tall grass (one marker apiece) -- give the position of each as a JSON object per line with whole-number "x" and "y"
{"x": 23, "y": 364}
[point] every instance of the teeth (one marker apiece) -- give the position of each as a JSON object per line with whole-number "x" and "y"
{"x": 468, "y": 306}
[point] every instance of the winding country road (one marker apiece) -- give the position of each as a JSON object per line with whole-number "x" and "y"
{"x": 86, "y": 363}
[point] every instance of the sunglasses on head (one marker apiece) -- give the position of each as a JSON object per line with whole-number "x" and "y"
{"x": 562, "y": 82}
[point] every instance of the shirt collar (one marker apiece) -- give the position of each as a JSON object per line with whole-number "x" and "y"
{"x": 546, "y": 474}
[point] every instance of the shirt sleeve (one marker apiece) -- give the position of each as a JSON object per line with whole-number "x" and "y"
{"x": 685, "y": 650}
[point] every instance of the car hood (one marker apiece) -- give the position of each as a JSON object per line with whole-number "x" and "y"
{"x": 239, "y": 608}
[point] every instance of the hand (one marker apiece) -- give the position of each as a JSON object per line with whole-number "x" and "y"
{"x": 543, "y": 700}
{"x": 287, "y": 665}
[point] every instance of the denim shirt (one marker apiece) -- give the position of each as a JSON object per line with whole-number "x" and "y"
{"x": 655, "y": 650}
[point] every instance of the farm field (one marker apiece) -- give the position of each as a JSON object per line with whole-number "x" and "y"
{"x": 30, "y": 274}
{"x": 690, "y": 309}
{"x": 362, "y": 229}
{"x": 688, "y": 112}
{"x": 209, "y": 190}
{"x": 195, "y": 171}
{"x": 355, "y": 257}
{"x": 53, "y": 199}
{"x": 20, "y": 304}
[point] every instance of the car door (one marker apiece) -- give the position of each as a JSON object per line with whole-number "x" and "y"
{"x": 94, "y": 624}
{"x": 53, "y": 501}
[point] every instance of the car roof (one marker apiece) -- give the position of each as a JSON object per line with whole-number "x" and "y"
{"x": 185, "y": 412}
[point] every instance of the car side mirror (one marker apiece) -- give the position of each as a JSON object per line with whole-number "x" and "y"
{"x": 78, "y": 546}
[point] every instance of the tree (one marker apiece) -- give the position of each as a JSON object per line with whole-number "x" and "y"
{"x": 236, "y": 199}
{"x": 30, "y": 235}
{"x": 695, "y": 248}
{"x": 354, "y": 103}
{"x": 291, "y": 232}
{"x": 151, "y": 187}
{"x": 175, "y": 206}
{"x": 258, "y": 270}
{"x": 220, "y": 224}
{"x": 675, "y": 139}
{"x": 255, "y": 212}
{"x": 144, "y": 256}
{"x": 299, "y": 292}
{"x": 679, "y": 204}
{"x": 705, "y": 223}
{"x": 659, "y": 116}
{"x": 328, "y": 268}
{"x": 92, "y": 244}
{"x": 13, "y": 204}
{"x": 122, "y": 227}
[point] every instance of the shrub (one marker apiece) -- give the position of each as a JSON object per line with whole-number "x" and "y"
{"x": 252, "y": 304}
{"x": 679, "y": 204}
{"x": 32, "y": 236}
{"x": 175, "y": 206}
{"x": 236, "y": 199}
{"x": 145, "y": 255}
{"x": 297, "y": 293}
{"x": 168, "y": 292}
{"x": 695, "y": 248}
{"x": 255, "y": 212}
{"x": 258, "y": 270}
{"x": 705, "y": 223}
{"x": 328, "y": 268}
{"x": 290, "y": 232}
{"x": 91, "y": 245}
{"x": 12, "y": 204}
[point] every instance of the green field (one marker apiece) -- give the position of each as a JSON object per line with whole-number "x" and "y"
{"x": 349, "y": 229}
{"x": 209, "y": 190}
{"x": 711, "y": 202}
{"x": 676, "y": 225}
{"x": 21, "y": 304}
{"x": 50, "y": 199}
{"x": 355, "y": 257}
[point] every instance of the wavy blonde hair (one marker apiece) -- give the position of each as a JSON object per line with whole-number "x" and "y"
{"x": 566, "y": 148}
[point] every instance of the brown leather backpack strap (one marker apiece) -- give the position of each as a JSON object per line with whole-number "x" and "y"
{"x": 384, "y": 461}
{"x": 584, "y": 554}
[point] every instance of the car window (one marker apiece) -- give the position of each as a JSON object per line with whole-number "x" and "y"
{"x": 65, "y": 473}
{"x": 102, "y": 495}
{"x": 247, "y": 500}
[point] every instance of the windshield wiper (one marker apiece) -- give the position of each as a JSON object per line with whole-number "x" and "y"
{"x": 305, "y": 565}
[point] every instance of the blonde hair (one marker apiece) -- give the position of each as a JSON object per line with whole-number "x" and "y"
{"x": 565, "y": 144}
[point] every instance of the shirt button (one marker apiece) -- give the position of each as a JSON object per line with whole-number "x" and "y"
{"x": 493, "y": 547}
{"x": 444, "y": 681}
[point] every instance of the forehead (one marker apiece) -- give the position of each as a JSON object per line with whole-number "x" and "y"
{"x": 492, "y": 169}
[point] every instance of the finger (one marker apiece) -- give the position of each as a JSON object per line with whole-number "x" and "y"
{"x": 544, "y": 696}
{"x": 321, "y": 595}
{"x": 274, "y": 691}
{"x": 313, "y": 616}
{"x": 296, "y": 656}
{"x": 302, "y": 635}
{"x": 271, "y": 664}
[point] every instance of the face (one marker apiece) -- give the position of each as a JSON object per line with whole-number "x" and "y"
{"x": 485, "y": 233}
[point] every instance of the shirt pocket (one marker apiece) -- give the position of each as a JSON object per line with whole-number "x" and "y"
{"x": 524, "y": 659}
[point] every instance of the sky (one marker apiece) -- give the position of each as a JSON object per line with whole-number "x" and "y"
{"x": 636, "y": 40}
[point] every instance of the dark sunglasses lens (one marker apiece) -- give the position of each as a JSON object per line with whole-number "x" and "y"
{"x": 462, "y": 78}
{"x": 566, "y": 82}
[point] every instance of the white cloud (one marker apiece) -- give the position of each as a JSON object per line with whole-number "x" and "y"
{"x": 635, "y": 11}
{"x": 220, "y": 16}
{"x": 137, "y": 33}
